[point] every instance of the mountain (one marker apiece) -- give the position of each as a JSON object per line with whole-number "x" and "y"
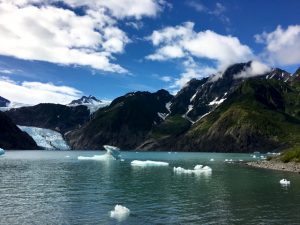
{"x": 11, "y": 137}
{"x": 91, "y": 102}
{"x": 125, "y": 122}
{"x": 4, "y": 102}
{"x": 56, "y": 117}
{"x": 260, "y": 115}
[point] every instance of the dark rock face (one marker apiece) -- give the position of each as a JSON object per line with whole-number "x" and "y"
{"x": 85, "y": 100}
{"x": 4, "y": 102}
{"x": 51, "y": 116}
{"x": 12, "y": 138}
{"x": 124, "y": 123}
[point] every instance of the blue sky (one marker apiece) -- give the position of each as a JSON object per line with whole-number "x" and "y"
{"x": 37, "y": 62}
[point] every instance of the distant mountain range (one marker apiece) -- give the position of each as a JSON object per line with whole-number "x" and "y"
{"x": 227, "y": 112}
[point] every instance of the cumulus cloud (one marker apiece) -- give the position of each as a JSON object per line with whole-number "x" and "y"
{"x": 37, "y": 92}
{"x": 184, "y": 42}
{"x": 40, "y": 30}
{"x": 255, "y": 69}
{"x": 282, "y": 46}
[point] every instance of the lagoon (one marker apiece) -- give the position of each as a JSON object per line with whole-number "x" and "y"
{"x": 54, "y": 187}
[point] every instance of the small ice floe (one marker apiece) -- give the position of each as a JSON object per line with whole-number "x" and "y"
{"x": 254, "y": 156}
{"x": 211, "y": 160}
{"x": 112, "y": 153}
{"x": 198, "y": 169}
{"x": 120, "y": 213}
{"x": 67, "y": 156}
{"x": 169, "y": 152}
{"x": 228, "y": 160}
{"x": 240, "y": 160}
{"x": 122, "y": 160}
{"x": 148, "y": 163}
{"x": 284, "y": 182}
{"x": 2, "y": 152}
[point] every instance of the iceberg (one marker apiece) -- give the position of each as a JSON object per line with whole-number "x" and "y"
{"x": 112, "y": 153}
{"x": 120, "y": 213}
{"x": 2, "y": 152}
{"x": 148, "y": 163}
{"x": 284, "y": 182}
{"x": 198, "y": 169}
{"x": 46, "y": 138}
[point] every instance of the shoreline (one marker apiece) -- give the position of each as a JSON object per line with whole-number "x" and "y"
{"x": 276, "y": 165}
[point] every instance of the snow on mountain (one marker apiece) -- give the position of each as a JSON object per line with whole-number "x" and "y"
{"x": 91, "y": 102}
{"x": 46, "y": 138}
{"x": 13, "y": 105}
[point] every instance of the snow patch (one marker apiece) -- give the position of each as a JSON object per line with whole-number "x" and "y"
{"x": 148, "y": 163}
{"x": 46, "y": 138}
{"x": 194, "y": 96}
{"x": 198, "y": 169}
{"x": 216, "y": 101}
{"x": 120, "y": 213}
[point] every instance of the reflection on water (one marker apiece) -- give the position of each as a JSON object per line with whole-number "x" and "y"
{"x": 41, "y": 187}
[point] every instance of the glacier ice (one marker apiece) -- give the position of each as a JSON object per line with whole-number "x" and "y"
{"x": 120, "y": 213}
{"x": 112, "y": 153}
{"x": 198, "y": 169}
{"x": 46, "y": 138}
{"x": 2, "y": 152}
{"x": 148, "y": 163}
{"x": 284, "y": 182}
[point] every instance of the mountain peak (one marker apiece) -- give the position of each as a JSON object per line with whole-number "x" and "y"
{"x": 4, "y": 102}
{"x": 85, "y": 100}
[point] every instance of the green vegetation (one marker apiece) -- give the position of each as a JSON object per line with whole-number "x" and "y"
{"x": 291, "y": 155}
{"x": 173, "y": 125}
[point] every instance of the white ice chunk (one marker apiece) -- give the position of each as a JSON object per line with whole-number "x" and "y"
{"x": 211, "y": 160}
{"x": 2, "y": 152}
{"x": 120, "y": 213}
{"x": 284, "y": 182}
{"x": 112, "y": 153}
{"x": 198, "y": 169}
{"x": 148, "y": 163}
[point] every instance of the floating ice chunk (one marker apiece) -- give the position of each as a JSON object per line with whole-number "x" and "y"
{"x": 241, "y": 160}
{"x": 122, "y": 160}
{"x": 67, "y": 156}
{"x": 198, "y": 169}
{"x": 2, "y": 152}
{"x": 254, "y": 157}
{"x": 120, "y": 213}
{"x": 111, "y": 153}
{"x": 169, "y": 152}
{"x": 284, "y": 182}
{"x": 211, "y": 160}
{"x": 97, "y": 157}
{"x": 148, "y": 163}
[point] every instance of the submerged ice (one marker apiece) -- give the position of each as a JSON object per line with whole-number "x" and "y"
{"x": 148, "y": 163}
{"x": 120, "y": 213}
{"x": 198, "y": 169}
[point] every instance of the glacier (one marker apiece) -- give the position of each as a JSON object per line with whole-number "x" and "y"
{"x": 46, "y": 138}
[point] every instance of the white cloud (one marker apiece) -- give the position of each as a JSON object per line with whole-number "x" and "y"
{"x": 204, "y": 44}
{"x": 166, "y": 78}
{"x": 184, "y": 42}
{"x": 167, "y": 52}
{"x": 39, "y": 30}
{"x": 255, "y": 69}
{"x": 36, "y": 92}
{"x": 282, "y": 45}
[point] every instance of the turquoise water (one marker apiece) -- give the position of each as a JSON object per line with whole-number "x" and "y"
{"x": 44, "y": 187}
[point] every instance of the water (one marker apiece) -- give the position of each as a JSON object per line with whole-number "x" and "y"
{"x": 44, "y": 187}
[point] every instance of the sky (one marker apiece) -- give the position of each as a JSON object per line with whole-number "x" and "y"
{"x": 57, "y": 51}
